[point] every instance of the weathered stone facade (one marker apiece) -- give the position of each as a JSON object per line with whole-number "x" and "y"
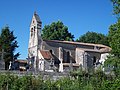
{"x": 2, "y": 65}
{"x": 62, "y": 55}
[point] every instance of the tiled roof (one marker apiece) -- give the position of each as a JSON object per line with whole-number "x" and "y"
{"x": 21, "y": 61}
{"x": 105, "y": 50}
{"x": 46, "y": 54}
{"x": 76, "y": 43}
{"x": 102, "y": 50}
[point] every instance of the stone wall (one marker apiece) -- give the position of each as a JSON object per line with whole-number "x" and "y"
{"x": 77, "y": 54}
{"x": 92, "y": 59}
{"x": 66, "y": 48}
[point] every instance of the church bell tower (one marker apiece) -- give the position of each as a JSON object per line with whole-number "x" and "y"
{"x": 34, "y": 40}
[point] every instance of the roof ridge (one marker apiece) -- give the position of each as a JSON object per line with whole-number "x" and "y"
{"x": 72, "y": 42}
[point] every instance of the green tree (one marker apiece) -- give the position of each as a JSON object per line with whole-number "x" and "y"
{"x": 116, "y": 7}
{"x": 93, "y": 37}
{"x": 114, "y": 30}
{"x": 8, "y": 43}
{"x": 57, "y": 31}
{"x": 114, "y": 40}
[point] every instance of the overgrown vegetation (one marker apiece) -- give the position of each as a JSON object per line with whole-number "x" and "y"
{"x": 79, "y": 80}
{"x": 114, "y": 40}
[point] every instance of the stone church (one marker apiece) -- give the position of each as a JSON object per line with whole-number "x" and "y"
{"x": 54, "y": 55}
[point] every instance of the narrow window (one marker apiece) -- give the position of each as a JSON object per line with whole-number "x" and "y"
{"x": 68, "y": 57}
{"x": 31, "y": 32}
{"x": 34, "y": 30}
{"x": 33, "y": 21}
{"x": 94, "y": 60}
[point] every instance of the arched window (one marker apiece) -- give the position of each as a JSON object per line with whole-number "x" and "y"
{"x": 33, "y": 21}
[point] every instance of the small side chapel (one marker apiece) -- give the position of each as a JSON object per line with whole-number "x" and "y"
{"x": 62, "y": 56}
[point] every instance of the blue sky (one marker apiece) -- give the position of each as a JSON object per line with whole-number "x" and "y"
{"x": 79, "y": 15}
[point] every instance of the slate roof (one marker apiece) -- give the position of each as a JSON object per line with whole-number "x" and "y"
{"x": 46, "y": 54}
{"x": 37, "y": 17}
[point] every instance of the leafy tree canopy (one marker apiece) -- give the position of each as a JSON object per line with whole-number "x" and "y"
{"x": 93, "y": 37}
{"x": 116, "y": 7}
{"x": 8, "y": 43}
{"x": 57, "y": 31}
{"x": 114, "y": 30}
{"x": 114, "y": 40}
